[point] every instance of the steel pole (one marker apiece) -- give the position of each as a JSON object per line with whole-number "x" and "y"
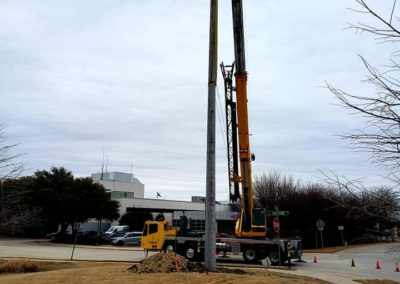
{"x": 210, "y": 261}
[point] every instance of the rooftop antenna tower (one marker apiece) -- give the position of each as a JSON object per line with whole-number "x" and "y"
{"x": 102, "y": 167}
{"x": 106, "y": 164}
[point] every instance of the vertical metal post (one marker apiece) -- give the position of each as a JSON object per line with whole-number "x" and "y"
{"x": 322, "y": 240}
{"x": 75, "y": 240}
{"x": 341, "y": 235}
{"x": 210, "y": 250}
{"x": 279, "y": 249}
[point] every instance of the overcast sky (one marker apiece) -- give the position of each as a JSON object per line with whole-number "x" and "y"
{"x": 130, "y": 78}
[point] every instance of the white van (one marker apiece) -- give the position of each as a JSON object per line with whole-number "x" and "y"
{"x": 116, "y": 229}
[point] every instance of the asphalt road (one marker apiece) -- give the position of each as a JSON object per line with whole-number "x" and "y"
{"x": 43, "y": 249}
{"x": 335, "y": 267}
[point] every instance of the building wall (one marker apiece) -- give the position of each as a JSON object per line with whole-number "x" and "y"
{"x": 136, "y": 187}
{"x": 172, "y": 205}
{"x": 129, "y": 192}
{"x": 123, "y": 187}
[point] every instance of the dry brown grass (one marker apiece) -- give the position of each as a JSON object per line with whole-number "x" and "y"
{"x": 19, "y": 266}
{"x": 110, "y": 273}
{"x": 118, "y": 273}
{"x": 376, "y": 281}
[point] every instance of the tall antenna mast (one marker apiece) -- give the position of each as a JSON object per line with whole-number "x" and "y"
{"x": 106, "y": 164}
{"x": 102, "y": 167}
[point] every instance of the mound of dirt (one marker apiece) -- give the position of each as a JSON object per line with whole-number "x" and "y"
{"x": 166, "y": 262}
{"x": 170, "y": 262}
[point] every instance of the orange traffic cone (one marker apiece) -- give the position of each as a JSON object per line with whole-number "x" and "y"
{"x": 397, "y": 268}
{"x": 315, "y": 259}
{"x": 352, "y": 263}
{"x": 378, "y": 265}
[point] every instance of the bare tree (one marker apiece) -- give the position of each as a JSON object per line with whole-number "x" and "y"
{"x": 380, "y": 137}
{"x": 381, "y": 203}
{"x": 9, "y": 166}
{"x": 272, "y": 190}
{"x": 381, "y": 110}
{"x": 14, "y": 216}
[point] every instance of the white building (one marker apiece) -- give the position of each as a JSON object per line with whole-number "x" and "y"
{"x": 129, "y": 192}
{"x": 123, "y": 188}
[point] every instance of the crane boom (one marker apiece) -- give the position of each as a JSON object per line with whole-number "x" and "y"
{"x": 249, "y": 223}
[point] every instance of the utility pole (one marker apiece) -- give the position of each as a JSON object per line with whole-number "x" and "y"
{"x": 210, "y": 261}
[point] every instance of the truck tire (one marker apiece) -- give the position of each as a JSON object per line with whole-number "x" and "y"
{"x": 250, "y": 255}
{"x": 169, "y": 248}
{"x": 190, "y": 253}
{"x": 273, "y": 257}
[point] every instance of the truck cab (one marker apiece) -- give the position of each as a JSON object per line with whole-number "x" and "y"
{"x": 155, "y": 233}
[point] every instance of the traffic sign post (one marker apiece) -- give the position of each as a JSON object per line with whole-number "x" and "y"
{"x": 277, "y": 228}
{"x": 341, "y": 228}
{"x": 320, "y": 225}
{"x": 277, "y": 225}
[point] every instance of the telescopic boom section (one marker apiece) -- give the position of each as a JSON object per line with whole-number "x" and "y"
{"x": 245, "y": 222}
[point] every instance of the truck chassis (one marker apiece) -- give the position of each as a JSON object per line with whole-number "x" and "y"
{"x": 253, "y": 250}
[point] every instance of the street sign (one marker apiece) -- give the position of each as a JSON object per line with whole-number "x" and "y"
{"x": 276, "y": 224}
{"x": 277, "y": 213}
{"x": 340, "y": 228}
{"x": 320, "y": 224}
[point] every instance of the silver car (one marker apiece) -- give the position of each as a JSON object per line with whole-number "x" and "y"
{"x": 129, "y": 238}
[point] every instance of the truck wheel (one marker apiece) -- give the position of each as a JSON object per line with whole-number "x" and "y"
{"x": 250, "y": 255}
{"x": 169, "y": 248}
{"x": 190, "y": 253}
{"x": 274, "y": 257}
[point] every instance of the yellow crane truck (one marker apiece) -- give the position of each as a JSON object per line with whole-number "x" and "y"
{"x": 160, "y": 236}
{"x": 250, "y": 230}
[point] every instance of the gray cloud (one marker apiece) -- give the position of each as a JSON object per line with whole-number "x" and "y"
{"x": 130, "y": 78}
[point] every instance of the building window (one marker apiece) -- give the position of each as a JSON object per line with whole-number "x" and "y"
{"x": 122, "y": 194}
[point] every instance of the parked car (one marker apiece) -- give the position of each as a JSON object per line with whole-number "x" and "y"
{"x": 87, "y": 237}
{"x": 107, "y": 238}
{"x": 90, "y": 238}
{"x": 115, "y": 229}
{"x": 130, "y": 238}
{"x": 61, "y": 237}
{"x": 365, "y": 239}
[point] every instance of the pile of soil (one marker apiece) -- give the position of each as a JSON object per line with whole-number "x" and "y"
{"x": 165, "y": 263}
{"x": 170, "y": 262}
